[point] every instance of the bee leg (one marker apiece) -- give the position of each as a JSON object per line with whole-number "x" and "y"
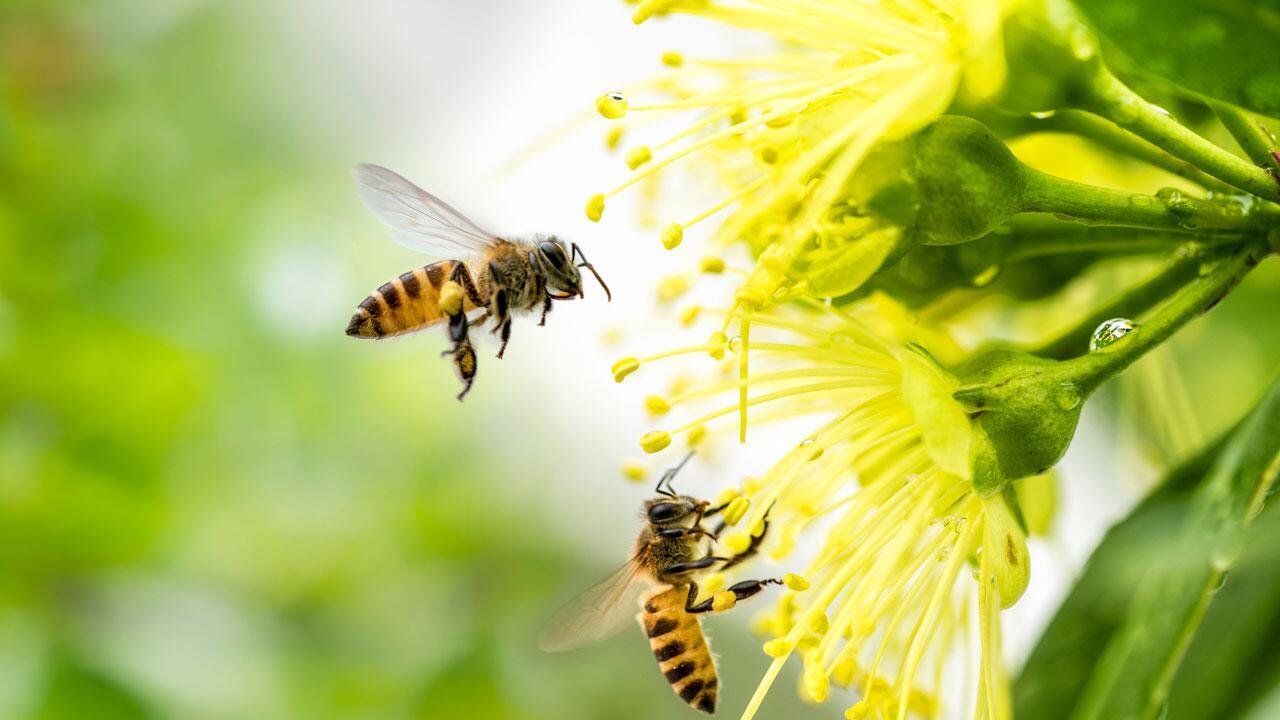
{"x": 546, "y": 308}
{"x": 500, "y": 310}
{"x": 686, "y": 567}
{"x": 741, "y": 591}
{"x": 461, "y": 275}
{"x": 464, "y": 355}
{"x": 752, "y": 549}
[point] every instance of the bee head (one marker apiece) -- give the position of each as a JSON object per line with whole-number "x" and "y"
{"x": 670, "y": 511}
{"x": 561, "y": 267}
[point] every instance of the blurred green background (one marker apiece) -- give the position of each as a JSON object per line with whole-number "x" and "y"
{"x": 212, "y": 503}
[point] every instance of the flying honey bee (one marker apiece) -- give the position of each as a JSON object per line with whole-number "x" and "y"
{"x": 672, "y": 550}
{"x": 498, "y": 278}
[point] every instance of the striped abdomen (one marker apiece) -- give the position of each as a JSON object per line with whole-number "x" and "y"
{"x": 680, "y": 648}
{"x": 407, "y": 303}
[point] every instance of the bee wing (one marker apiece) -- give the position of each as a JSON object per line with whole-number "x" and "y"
{"x": 597, "y": 613}
{"x": 421, "y": 220}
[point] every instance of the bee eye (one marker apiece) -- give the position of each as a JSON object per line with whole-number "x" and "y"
{"x": 553, "y": 254}
{"x": 664, "y": 512}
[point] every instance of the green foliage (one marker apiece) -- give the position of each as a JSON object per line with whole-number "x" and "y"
{"x": 1223, "y": 50}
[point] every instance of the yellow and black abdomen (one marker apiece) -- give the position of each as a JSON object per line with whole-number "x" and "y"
{"x": 407, "y": 303}
{"x": 676, "y": 639}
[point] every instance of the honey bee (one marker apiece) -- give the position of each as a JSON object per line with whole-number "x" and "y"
{"x": 498, "y": 278}
{"x": 673, "y": 548}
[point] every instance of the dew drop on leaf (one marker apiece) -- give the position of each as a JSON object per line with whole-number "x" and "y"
{"x": 1110, "y": 331}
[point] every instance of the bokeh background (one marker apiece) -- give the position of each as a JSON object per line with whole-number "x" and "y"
{"x": 213, "y": 504}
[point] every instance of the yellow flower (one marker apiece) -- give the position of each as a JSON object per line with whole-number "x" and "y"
{"x": 912, "y": 556}
{"x": 790, "y": 132}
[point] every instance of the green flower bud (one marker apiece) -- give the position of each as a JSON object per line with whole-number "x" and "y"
{"x": 1024, "y": 411}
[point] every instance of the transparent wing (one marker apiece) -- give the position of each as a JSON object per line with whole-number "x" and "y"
{"x": 597, "y": 613}
{"x": 421, "y": 220}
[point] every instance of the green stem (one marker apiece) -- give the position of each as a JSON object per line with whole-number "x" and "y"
{"x": 1092, "y": 369}
{"x": 1132, "y": 303}
{"x": 1112, "y": 99}
{"x": 1093, "y": 205}
{"x": 1110, "y": 136}
{"x": 1256, "y": 141}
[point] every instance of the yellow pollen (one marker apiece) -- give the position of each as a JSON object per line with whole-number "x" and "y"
{"x": 656, "y": 405}
{"x": 736, "y": 543}
{"x": 736, "y": 509}
{"x": 727, "y": 496}
{"x": 711, "y": 265}
{"x": 638, "y": 156}
{"x": 625, "y": 367}
{"x": 689, "y": 315}
{"x": 859, "y": 711}
{"x": 723, "y": 600}
{"x": 696, "y": 435}
{"x": 672, "y": 236}
{"x": 778, "y": 647}
{"x": 716, "y": 345}
{"x": 634, "y": 470}
{"x": 451, "y": 297}
{"x": 612, "y": 105}
{"x": 672, "y": 59}
{"x": 671, "y": 288}
{"x": 796, "y": 583}
{"x": 613, "y": 138}
{"x": 757, "y": 527}
{"x": 595, "y": 207}
{"x": 655, "y": 441}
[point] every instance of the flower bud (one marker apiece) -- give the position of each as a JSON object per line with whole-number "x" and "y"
{"x": 1004, "y": 549}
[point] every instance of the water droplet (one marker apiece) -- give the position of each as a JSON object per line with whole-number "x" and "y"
{"x": 1109, "y": 332}
{"x": 807, "y": 442}
{"x": 735, "y": 344}
{"x": 1067, "y": 396}
{"x": 1222, "y": 580}
{"x": 1044, "y": 114}
{"x": 986, "y": 277}
{"x": 1161, "y": 111}
{"x": 1082, "y": 43}
{"x": 1225, "y": 556}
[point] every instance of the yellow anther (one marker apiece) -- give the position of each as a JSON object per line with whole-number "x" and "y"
{"x": 711, "y": 265}
{"x": 613, "y": 138}
{"x": 736, "y": 543}
{"x": 816, "y": 682}
{"x": 858, "y": 711}
{"x": 671, "y": 58}
{"x": 727, "y": 496}
{"x": 820, "y": 624}
{"x": 638, "y": 156}
{"x": 737, "y": 508}
{"x": 672, "y": 287}
{"x": 672, "y": 236}
{"x": 451, "y": 297}
{"x": 750, "y": 297}
{"x": 809, "y": 641}
{"x": 712, "y": 584}
{"x": 634, "y": 470}
{"x": 654, "y": 441}
{"x": 595, "y": 207}
{"x": 757, "y": 527}
{"x": 689, "y": 315}
{"x": 778, "y": 647}
{"x": 656, "y": 405}
{"x": 696, "y": 435}
{"x": 795, "y": 582}
{"x": 723, "y": 600}
{"x": 782, "y": 120}
{"x": 785, "y": 543}
{"x": 844, "y": 672}
{"x": 625, "y": 367}
{"x": 717, "y": 342}
{"x": 612, "y": 105}
{"x": 767, "y": 154}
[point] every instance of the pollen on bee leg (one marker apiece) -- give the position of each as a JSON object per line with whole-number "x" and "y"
{"x": 451, "y": 296}
{"x": 634, "y": 470}
{"x": 655, "y": 441}
{"x": 723, "y": 600}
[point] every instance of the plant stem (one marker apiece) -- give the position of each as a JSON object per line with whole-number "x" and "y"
{"x": 1256, "y": 141}
{"x": 1093, "y": 205}
{"x": 1094, "y": 368}
{"x": 1112, "y": 99}
{"x": 1131, "y": 303}
{"x": 1110, "y": 136}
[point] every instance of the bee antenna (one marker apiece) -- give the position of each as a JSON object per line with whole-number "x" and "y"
{"x": 670, "y": 475}
{"x": 577, "y": 253}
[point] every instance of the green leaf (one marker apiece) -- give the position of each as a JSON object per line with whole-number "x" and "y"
{"x": 1119, "y": 638}
{"x": 1224, "y": 49}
